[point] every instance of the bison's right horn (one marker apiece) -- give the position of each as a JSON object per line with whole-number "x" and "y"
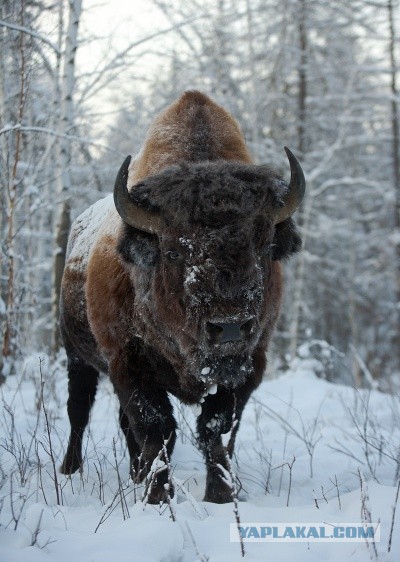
{"x": 295, "y": 191}
{"x": 127, "y": 209}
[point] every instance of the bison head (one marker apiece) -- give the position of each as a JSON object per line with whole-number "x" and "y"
{"x": 200, "y": 240}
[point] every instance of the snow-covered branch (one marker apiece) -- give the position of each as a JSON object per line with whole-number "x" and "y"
{"x": 32, "y": 33}
{"x": 52, "y": 132}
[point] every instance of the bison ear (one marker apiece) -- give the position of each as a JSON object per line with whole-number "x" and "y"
{"x": 286, "y": 241}
{"x": 138, "y": 248}
{"x": 129, "y": 210}
{"x": 295, "y": 191}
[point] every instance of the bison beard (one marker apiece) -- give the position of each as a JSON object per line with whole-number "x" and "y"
{"x": 177, "y": 289}
{"x": 231, "y": 372}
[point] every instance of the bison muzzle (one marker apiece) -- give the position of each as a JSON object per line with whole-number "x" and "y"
{"x": 174, "y": 286}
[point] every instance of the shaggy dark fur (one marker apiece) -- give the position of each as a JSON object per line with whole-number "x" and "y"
{"x": 213, "y": 195}
{"x": 210, "y": 194}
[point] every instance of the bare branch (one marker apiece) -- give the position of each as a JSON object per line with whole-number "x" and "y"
{"x": 31, "y": 33}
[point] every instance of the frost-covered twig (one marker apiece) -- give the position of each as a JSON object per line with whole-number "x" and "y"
{"x": 36, "y": 531}
{"x": 52, "y": 132}
{"x": 168, "y": 486}
{"x": 365, "y": 511}
{"x": 158, "y": 466}
{"x": 308, "y": 435}
{"x": 200, "y": 511}
{"x": 39, "y": 467}
{"x": 16, "y": 515}
{"x": 371, "y": 383}
{"x": 335, "y": 483}
{"x": 108, "y": 511}
{"x": 393, "y": 515}
{"x": 48, "y": 431}
{"x": 32, "y": 33}
{"x": 201, "y": 557}
{"x": 290, "y": 466}
{"x": 229, "y": 477}
{"x": 376, "y": 446}
{"x": 121, "y": 490}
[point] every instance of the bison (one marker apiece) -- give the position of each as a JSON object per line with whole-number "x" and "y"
{"x": 174, "y": 287}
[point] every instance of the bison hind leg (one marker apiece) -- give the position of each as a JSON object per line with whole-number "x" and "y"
{"x": 82, "y": 385}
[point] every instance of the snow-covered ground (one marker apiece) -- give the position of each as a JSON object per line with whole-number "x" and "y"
{"x": 308, "y": 451}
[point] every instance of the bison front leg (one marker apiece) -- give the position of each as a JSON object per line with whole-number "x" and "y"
{"x": 147, "y": 420}
{"x": 220, "y": 415}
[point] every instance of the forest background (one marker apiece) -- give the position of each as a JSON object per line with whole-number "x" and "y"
{"x": 79, "y": 86}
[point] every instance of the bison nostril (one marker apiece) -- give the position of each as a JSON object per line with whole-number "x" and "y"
{"x": 214, "y": 332}
{"x": 221, "y": 332}
{"x": 247, "y": 327}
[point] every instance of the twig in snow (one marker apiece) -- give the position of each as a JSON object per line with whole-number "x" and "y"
{"x": 315, "y": 499}
{"x": 157, "y": 467}
{"x": 323, "y": 494}
{"x": 290, "y": 466}
{"x": 309, "y": 434}
{"x": 200, "y": 511}
{"x": 365, "y": 511}
{"x": 168, "y": 485}
{"x": 335, "y": 483}
{"x": 368, "y": 378}
{"x": 121, "y": 491}
{"x": 36, "y": 532}
{"x": 48, "y": 431}
{"x": 200, "y": 557}
{"x": 393, "y": 516}
{"x": 229, "y": 477}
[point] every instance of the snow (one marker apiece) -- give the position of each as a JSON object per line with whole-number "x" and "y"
{"x": 98, "y": 220}
{"x": 213, "y": 389}
{"x": 328, "y": 434}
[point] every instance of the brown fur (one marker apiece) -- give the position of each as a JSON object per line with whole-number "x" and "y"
{"x": 176, "y": 133}
{"x": 109, "y": 296}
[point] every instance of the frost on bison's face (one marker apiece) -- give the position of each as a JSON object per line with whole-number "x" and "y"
{"x": 202, "y": 253}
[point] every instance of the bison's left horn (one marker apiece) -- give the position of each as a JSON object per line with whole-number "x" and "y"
{"x": 128, "y": 210}
{"x": 296, "y": 189}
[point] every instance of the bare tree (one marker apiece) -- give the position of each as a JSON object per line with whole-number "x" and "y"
{"x": 64, "y": 180}
{"x": 394, "y": 106}
{"x": 10, "y": 197}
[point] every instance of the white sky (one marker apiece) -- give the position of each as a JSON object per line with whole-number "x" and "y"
{"x": 125, "y": 20}
{"x": 114, "y": 25}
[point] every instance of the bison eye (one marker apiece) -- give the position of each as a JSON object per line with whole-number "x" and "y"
{"x": 173, "y": 255}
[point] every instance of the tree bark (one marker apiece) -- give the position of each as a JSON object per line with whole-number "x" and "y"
{"x": 9, "y": 329}
{"x": 303, "y": 216}
{"x": 395, "y": 156}
{"x": 64, "y": 186}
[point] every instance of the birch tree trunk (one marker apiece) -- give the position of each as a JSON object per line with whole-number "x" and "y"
{"x": 304, "y": 213}
{"x": 254, "y": 82}
{"x": 9, "y": 328}
{"x": 64, "y": 179}
{"x": 395, "y": 94}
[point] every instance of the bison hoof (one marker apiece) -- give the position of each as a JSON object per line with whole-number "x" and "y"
{"x": 71, "y": 464}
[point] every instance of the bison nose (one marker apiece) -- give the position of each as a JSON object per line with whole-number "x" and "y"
{"x": 221, "y": 332}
